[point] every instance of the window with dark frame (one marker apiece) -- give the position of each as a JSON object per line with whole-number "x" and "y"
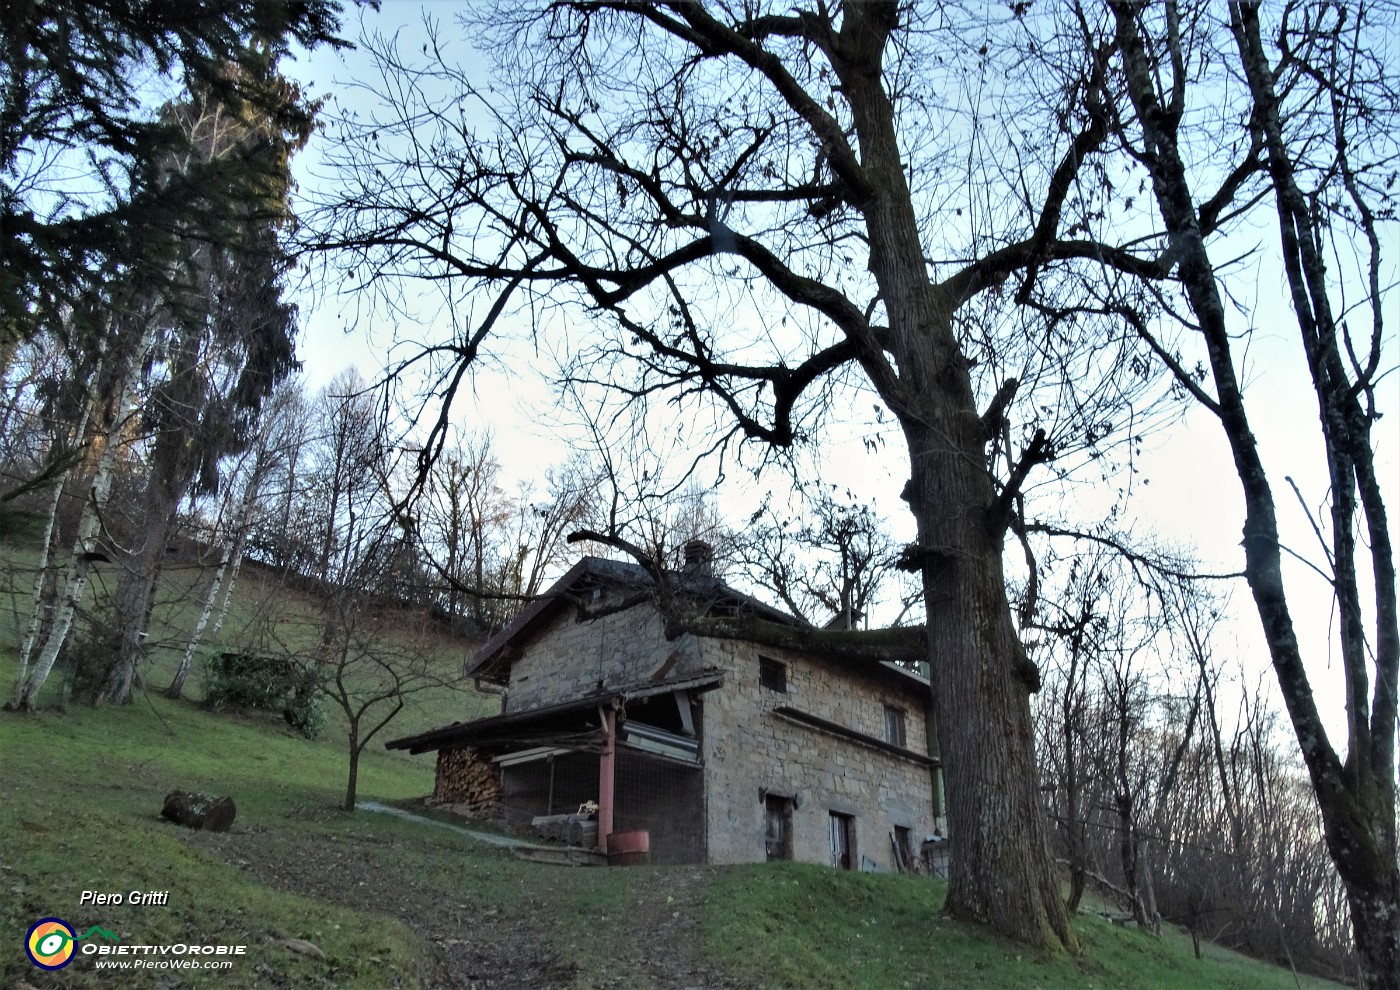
{"x": 777, "y": 839}
{"x": 772, "y": 674}
{"x": 843, "y": 841}
{"x": 894, "y": 725}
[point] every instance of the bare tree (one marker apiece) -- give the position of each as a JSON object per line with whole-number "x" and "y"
{"x": 462, "y": 514}
{"x": 1169, "y": 798}
{"x": 1241, "y": 858}
{"x": 371, "y": 647}
{"x": 822, "y": 179}
{"x": 543, "y": 517}
{"x": 346, "y": 491}
{"x": 491, "y": 549}
{"x": 373, "y": 666}
{"x": 828, "y": 565}
{"x": 60, "y": 441}
{"x": 366, "y": 652}
{"x": 1117, "y": 718}
{"x": 284, "y": 533}
{"x": 38, "y": 444}
{"x": 1073, "y": 630}
{"x": 1309, "y": 138}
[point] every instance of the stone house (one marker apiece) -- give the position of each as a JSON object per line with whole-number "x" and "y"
{"x": 722, "y": 750}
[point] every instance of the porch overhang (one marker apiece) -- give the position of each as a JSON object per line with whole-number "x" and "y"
{"x": 575, "y": 725}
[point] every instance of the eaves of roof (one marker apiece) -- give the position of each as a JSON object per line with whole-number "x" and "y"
{"x": 487, "y": 663}
{"x": 598, "y": 571}
{"x": 552, "y": 718}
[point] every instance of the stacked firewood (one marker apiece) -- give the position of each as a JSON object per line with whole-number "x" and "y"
{"x": 466, "y": 777}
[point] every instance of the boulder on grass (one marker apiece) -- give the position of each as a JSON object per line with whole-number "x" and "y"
{"x": 203, "y": 811}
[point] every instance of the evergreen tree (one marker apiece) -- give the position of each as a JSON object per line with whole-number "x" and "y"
{"x": 78, "y": 148}
{"x": 226, "y": 339}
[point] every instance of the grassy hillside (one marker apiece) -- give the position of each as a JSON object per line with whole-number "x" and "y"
{"x": 394, "y": 903}
{"x": 389, "y": 903}
{"x": 265, "y": 616}
{"x": 81, "y": 794}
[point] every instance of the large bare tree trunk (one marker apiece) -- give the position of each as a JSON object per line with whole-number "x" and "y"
{"x": 1002, "y": 872}
{"x": 1001, "y": 869}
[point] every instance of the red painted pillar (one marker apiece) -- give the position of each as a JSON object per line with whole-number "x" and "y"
{"x": 606, "y": 765}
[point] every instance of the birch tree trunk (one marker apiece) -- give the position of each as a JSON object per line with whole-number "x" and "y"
{"x": 231, "y": 578}
{"x": 90, "y": 523}
{"x": 43, "y": 571}
{"x": 36, "y": 598}
{"x": 177, "y": 683}
{"x": 79, "y": 565}
{"x": 217, "y": 598}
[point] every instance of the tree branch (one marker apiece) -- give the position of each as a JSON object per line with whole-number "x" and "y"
{"x": 1039, "y": 451}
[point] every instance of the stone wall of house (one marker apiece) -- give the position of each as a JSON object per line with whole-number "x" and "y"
{"x": 570, "y": 659}
{"x": 750, "y": 751}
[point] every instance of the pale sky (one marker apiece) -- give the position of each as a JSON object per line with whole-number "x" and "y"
{"x": 1186, "y": 490}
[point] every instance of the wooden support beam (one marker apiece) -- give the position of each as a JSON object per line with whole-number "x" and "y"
{"x": 607, "y": 764}
{"x": 683, "y": 703}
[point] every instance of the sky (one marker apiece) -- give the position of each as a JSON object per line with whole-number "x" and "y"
{"x": 1185, "y": 489}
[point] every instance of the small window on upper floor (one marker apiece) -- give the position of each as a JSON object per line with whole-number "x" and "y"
{"x": 894, "y": 725}
{"x": 772, "y": 674}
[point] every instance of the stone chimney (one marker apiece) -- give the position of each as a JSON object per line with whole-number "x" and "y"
{"x": 699, "y": 558}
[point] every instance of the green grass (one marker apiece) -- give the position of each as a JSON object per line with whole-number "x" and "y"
{"x": 79, "y": 798}
{"x": 81, "y": 795}
{"x": 808, "y": 927}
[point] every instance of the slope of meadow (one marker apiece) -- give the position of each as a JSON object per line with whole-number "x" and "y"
{"x": 390, "y": 903}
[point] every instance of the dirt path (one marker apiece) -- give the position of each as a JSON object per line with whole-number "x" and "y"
{"x": 653, "y": 945}
{"x": 658, "y": 944}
